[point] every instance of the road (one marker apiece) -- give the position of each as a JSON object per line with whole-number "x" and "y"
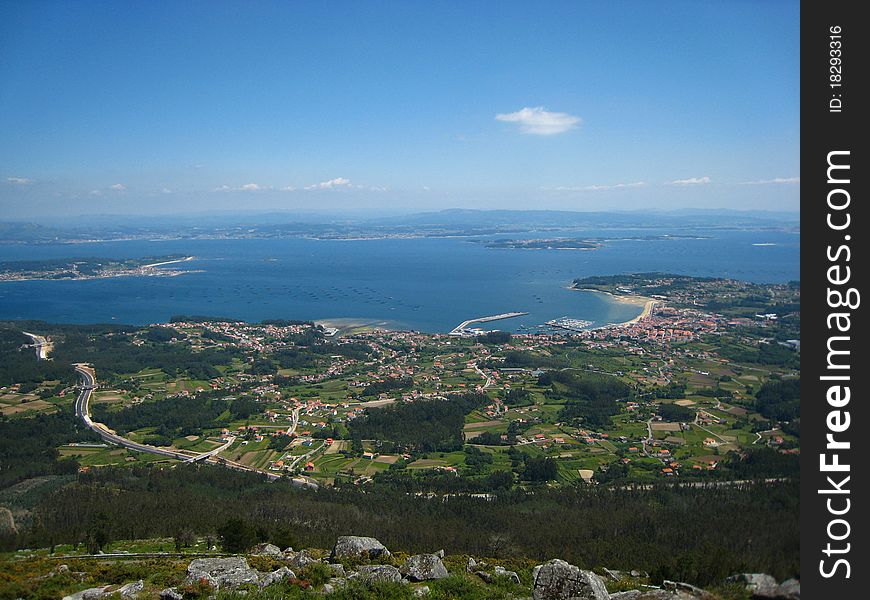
{"x": 42, "y": 345}
{"x": 89, "y": 384}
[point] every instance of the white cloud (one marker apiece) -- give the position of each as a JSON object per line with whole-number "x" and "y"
{"x": 118, "y": 187}
{"x": 615, "y": 186}
{"x": 338, "y": 182}
{"x": 692, "y": 181}
{"x": 245, "y": 187}
{"x": 538, "y": 121}
{"x": 19, "y": 180}
{"x": 165, "y": 191}
{"x": 775, "y": 180}
{"x": 594, "y": 188}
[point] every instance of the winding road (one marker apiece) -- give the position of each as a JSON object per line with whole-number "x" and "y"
{"x": 89, "y": 384}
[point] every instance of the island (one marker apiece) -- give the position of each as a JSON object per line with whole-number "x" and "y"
{"x": 92, "y": 268}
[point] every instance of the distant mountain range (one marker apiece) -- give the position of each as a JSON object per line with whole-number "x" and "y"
{"x": 454, "y": 222}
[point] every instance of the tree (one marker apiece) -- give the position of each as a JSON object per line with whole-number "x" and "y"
{"x": 98, "y": 533}
{"x": 237, "y": 536}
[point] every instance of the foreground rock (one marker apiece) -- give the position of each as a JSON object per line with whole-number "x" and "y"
{"x": 424, "y": 567}
{"x": 760, "y": 585}
{"x": 228, "y": 572}
{"x": 266, "y": 550}
{"x": 299, "y": 560}
{"x": 351, "y": 546}
{"x": 88, "y": 594}
{"x": 558, "y": 580}
{"x": 127, "y": 592}
{"x": 276, "y": 576}
{"x": 378, "y": 573}
{"x": 790, "y": 589}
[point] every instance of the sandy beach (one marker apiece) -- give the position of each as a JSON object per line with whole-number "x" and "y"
{"x": 647, "y": 303}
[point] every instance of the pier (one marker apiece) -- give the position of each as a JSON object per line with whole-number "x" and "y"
{"x": 462, "y": 329}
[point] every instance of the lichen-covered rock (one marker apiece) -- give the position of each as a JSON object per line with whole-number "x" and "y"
{"x": 276, "y": 576}
{"x": 421, "y": 591}
{"x": 558, "y": 580}
{"x": 760, "y": 585}
{"x": 377, "y": 573}
{"x": 337, "y": 570}
{"x": 299, "y": 560}
{"x": 228, "y": 572}
{"x": 423, "y": 567}
{"x": 471, "y": 566}
{"x": 351, "y": 546}
{"x": 266, "y": 550}
{"x": 88, "y": 594}
{"x": 131, "y": 590}
{"x": 170, "y": 594}
{"x": 790, "y": 589}
{"x": 512, "y": 575}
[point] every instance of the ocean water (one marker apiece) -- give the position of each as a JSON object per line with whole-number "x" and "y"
{"x": 423, "y": 284}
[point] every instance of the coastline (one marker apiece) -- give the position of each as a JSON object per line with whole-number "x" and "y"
{"x": 647, "y": 303}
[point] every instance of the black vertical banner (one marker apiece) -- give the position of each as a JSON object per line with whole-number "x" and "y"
{"x": 834, "y": 263}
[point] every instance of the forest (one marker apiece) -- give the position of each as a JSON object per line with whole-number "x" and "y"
{"x": 694, "y": 534}
{"x": 424, "y": 426}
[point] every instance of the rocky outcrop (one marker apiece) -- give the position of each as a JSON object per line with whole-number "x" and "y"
{"x": 760, "y": 585}
{"x": 351, "y": 546}
{"x": 377, "y": 573}
{"x": 512, "y": 575}
{"x": 558, "y": 580}
{"x": 227, "y": 572}
{"x": 170, "y": 594}
{"x": 89, "y": 594}
{"x": 299, "y": 560}
{"x": 276, "y": 576}
{"x": 131, "y": 590}
{"x": 423, "y": 567}
{"x": 790, "y": 589}
{"x": 266, "y": 550}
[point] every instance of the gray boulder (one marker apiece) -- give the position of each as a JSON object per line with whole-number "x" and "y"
{"x": 228, "y": 572}
{"x": 760, "y": 585}
{"x": 170, "y": 594}
{"x": 337, "y": 570}
{"x": 790, "y": 589}
{"x": 299, "y": 560}
{"x": 558, "y": 580}
{"x": 276, "y": 576}
{"x": 266, "y": 550}
{"x": 351, "y": 546}
{"x": 131, "y": 590}
{"x": 423, "y": 567}
{"x": 377, "y": 573}
{"x": 471, "y": 566}
{"x": 421, "y": 591}
{"x": 88, "y": 594}
{"x": 512, "y": 575}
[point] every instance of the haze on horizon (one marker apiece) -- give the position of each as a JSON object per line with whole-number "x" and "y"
{"x": 162, "y": 107}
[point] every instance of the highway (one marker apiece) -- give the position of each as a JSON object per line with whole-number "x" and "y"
{"x": 89, "y": 384}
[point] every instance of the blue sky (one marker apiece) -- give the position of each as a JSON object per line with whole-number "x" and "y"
{"x": 157, "y": 107}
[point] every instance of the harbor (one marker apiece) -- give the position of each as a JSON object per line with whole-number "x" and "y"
{"x": 464, "y": 329}
{"x": 570, "y": 324}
